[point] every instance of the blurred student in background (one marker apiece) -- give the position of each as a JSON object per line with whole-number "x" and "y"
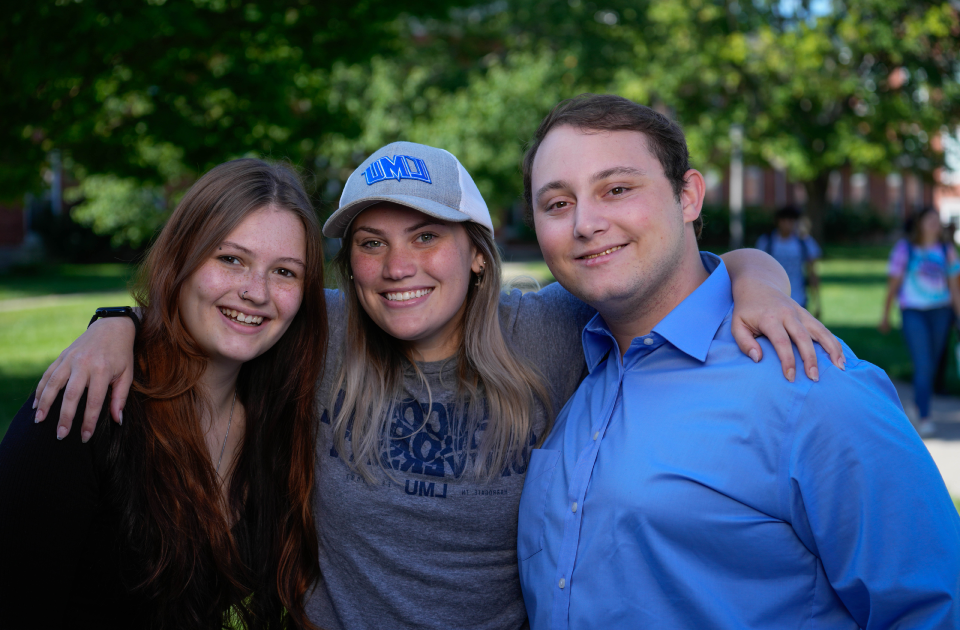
{"x": 923, "y": 275}
{"x": 795, "y": 250}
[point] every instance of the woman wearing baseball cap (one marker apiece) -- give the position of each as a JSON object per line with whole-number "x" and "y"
{"x": 436, "y": 386}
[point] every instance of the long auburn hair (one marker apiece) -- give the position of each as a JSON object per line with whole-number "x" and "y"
{"x": 497, "y": 391}
{"x": 197, "y": 567}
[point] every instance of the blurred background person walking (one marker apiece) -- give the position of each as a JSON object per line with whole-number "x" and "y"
{"x": 796, "y": 251}
{"x": 923, "y": 275}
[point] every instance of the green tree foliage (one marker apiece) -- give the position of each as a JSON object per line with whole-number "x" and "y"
{"x": 866, "y": 84}
{"x": 127, "y": 209}
{"x": 155, "y": 92}
{"x": 485, "y": 122}
{"x": 159, "y": 91}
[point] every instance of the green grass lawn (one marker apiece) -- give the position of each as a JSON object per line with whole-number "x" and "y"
{"x": 31, "y": 338}
{"x": 43, "y": 309}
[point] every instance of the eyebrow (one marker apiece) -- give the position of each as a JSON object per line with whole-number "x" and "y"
{"x": 412, "y": 228}
{"x": 616, "y": 170}
{"x": 557, "y": 184}
{"x": 284, "y": 259}
{"x": 560, "y": 184}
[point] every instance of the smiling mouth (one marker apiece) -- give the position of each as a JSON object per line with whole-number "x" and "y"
{"x": 603, "y": 253}
{"x": 403, "y": 296}
{"x": 242, "y": 318}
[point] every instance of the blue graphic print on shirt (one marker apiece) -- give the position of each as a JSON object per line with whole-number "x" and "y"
{"x": 431, "y": 448}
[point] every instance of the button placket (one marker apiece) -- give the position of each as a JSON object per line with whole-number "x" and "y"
{"x": 570, "y": 541}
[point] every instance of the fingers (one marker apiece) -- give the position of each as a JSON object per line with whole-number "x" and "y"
{"x": 775, "y": 331}
{"x": 804, "y": 343}
{"x": 68, "y": 408}
{"x": 50, "y": 385}
{"x": 827, "y": 340}
{"x": 746, "y": 340}
{"x": 118, "y": 398}
{"x": 45, "y": 379}
{"x": 96, "y": 393}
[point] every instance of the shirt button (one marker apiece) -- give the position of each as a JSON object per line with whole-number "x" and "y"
{"x": 596, "y": 435}
{"x": 574, "y": 506}
{"x": 563, "y": 582}
{"x": 648, "y": 341}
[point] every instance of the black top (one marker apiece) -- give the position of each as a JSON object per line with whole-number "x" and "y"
{"x": 62, "y": 556}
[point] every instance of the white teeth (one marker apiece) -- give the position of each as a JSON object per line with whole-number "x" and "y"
{"x": 605, "y": 252}
{"x": 403, "y": 296}
{"x": 242, "y": 317}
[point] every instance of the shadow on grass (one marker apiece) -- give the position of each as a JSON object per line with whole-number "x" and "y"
{"x": 853, "y": 278}
{"x": 58, "y": 279}
{"x": 857, "y": 252}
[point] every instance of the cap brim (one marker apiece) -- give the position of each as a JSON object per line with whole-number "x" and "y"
{"x": 338, "y": 223}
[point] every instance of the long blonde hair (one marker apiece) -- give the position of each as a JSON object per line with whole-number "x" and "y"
{"x": 497, "y": 392}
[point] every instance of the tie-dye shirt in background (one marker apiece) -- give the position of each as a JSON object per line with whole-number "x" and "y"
{"x": 925, "y": 270}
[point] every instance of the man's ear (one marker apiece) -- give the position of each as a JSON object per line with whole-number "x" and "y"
{"x": 692, "y": 195}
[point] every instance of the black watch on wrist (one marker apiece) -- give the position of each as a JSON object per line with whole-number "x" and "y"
{"x": 117, "y": 311}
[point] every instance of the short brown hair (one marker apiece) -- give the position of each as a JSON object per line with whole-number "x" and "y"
{"x": 608, "y": 112}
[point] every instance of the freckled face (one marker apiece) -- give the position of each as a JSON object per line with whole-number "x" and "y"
{"x": 243, "y": 298}
{"x": 411, "y": 273}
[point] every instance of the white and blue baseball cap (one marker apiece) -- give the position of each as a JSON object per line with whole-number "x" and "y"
{"x": 423, "y": 178}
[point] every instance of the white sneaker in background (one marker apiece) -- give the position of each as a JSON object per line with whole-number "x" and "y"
{"x": 926, "y": 428}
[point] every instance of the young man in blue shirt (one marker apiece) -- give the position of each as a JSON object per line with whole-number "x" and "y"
{"x": 757, "y": 502}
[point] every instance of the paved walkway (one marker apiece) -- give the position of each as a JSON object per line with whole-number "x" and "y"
{"x": 945, "y": 445}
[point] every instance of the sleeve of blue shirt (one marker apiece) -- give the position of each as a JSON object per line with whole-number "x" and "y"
{"x": 866, "y": 498}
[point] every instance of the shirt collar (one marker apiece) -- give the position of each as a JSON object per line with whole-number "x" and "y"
{"x": 690, "y": 327}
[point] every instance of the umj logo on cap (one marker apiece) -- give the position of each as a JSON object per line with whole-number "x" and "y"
{"x": 399, "y": 167}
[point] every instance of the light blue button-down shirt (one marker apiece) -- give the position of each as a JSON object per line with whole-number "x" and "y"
{"x": 685, "y": 486}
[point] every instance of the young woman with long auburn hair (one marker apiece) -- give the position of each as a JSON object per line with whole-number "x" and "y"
{"x": 196, "y": 511}
{"x": 436, "y": 386}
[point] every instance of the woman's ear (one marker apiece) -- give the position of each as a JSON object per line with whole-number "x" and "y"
{"x": 478, "y": 263}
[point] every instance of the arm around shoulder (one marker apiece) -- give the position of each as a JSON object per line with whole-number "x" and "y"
{"x": 99, "y": 360}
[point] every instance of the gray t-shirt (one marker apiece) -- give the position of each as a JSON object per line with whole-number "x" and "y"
{"x": 431, "y": 548}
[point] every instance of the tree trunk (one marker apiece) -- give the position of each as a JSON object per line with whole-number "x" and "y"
{"x": 817, "y": 203}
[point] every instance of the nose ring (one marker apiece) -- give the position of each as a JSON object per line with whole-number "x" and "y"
{"x": 243, "y": 295}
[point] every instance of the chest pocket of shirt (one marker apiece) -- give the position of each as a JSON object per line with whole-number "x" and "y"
{"x": 543, "y": 465}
